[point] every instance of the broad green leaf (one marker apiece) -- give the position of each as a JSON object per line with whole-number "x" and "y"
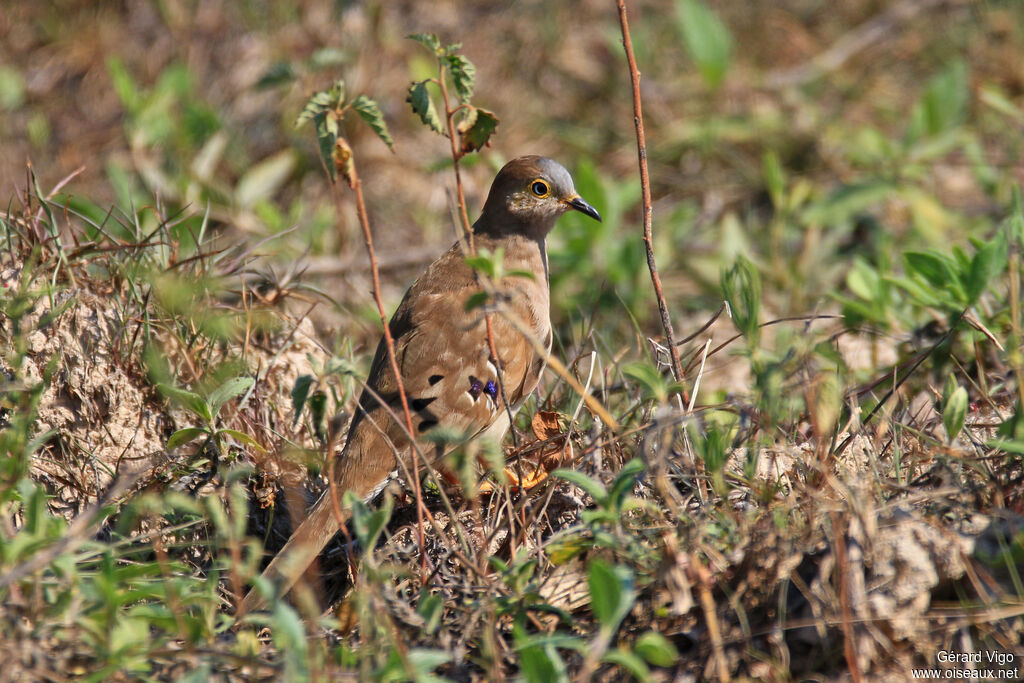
{"x": 371, "y": 113}
{"x": 476, "y": 129}
{"x": 233, "y": 388}
{"x": 611, "y": 593}
{"x": 986, "y": 264}
{"x": 591, "y": 486}
{"x": 937, "y": 269}
{"x": 625, "y": 481}
{"x": 539, "y": 664}
{"x": 848, "y": 201}
{"x": 954, "y": 408}
{"x": 425, "y": 660}
{"x": 774, "y": 179}
{"x": 630, "y": 662}
{"x": 944, "y": 103}
{"x": 300, "y": 392}
{"x": 368, "y": 522}
{"x": 243, "y": 438}
{"x": 476, "y": 300}
{"x": 185, "y": 435}
{"x": 188, "y": 400}
{"x": 656, "y": 649}
{"x": 262, "y": 180}
{"x": 485, "y": 263}
{"x": 655, "y": 385}
{"x": 278, "y": 73}
{"x": 423, "y": 106}
{"x": 863, "y": 280}
{"x": 463, "y": 75}
{"x": 706, "y": 38}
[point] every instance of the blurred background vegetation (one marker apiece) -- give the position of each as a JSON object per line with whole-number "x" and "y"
{"x": 807, "y": 157}
{"x": 806, "y": 135}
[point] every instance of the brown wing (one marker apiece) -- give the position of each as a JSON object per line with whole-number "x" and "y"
{"x": 444, "y": 360}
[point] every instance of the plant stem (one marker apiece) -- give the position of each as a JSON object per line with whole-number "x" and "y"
{"x": 648, "y": 210}
{"x": 389, "y": 343}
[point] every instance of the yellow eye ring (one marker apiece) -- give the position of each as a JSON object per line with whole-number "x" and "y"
{"x": 539, "y": 188}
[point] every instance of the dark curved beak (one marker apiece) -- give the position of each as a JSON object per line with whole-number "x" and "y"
{"x": 583, "y": 207}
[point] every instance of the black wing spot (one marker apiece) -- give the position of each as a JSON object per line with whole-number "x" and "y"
{"x": 425, "y": 425}
{"x": 434, "y": 379}
{"x": 420, "y": 404}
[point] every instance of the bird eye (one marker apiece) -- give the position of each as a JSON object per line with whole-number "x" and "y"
{"x": 539, "y": 188}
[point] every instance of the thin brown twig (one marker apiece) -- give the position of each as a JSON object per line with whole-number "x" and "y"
{"x": 842, "y": 569}
{"x": 389, "y": 343}
{"x": 648, "y": 209}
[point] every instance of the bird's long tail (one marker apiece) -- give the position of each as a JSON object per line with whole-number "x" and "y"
{"x": 299, "y": 552}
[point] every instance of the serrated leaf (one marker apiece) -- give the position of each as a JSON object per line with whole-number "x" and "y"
{"x": 476, "y": 129}
{"x": 463, "y": 75}
{"x": 228, "y": 390}
{"x": 370, "y": 111}
{"x": 423, "y": 106}
{"x": 321, "y": 102}
{"x": 243, "y": 438}
{"x": 656, "y": 649}
{"x": 300, "y": 392}
{"x": 183, "y": 436}
{"x": 429, "y": 41}
{"x": 327, "y": 138}
{"x": 188, "y": 400}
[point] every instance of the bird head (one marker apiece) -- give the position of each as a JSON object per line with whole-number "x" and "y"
{"x": 527, "y": 196}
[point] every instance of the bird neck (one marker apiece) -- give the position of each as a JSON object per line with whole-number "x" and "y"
{"x": 522, "y": 252}
{"x": 501, "y": 224}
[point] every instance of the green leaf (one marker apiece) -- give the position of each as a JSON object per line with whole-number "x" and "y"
{"x": 243, "y": 438}
{"x": 367, "y": 522}
{"x": 741, "y": 287}
{"x": 371, "y": 113}
{"x": 655, "y": 385}
{"x": 591, "y": 486}
{"x": 430, "y": 607}
{"x": 300, "y": 392}
{"x": 539, "y": 664}
{"x": 706, "y": 38}
{"x": 944, "y": 103}
{"x": 986, "y": 264}
{"x": 611, "y": 593}
{"x": 429, "y": 41}
{"x": 938, "y": 269}
{"x": 476, "y": 300}
{"x": 463, "y": 75}
{"x": 863, "y": 280}
{"x": 232, "y": 388}
{"x": 321, "y": 102}
{"x": 630, "y": 662}
{"x": 954, "y": 408}
{"x": 262, "y": 180}
{"x": 476, "y": 129}
{"x": 188, "y": 400}
{"x": 423, "y": 106}
{"x": 185, "y": 435}
{"x": 656, "y": 649}
{"x": 625, "y": 481}
{"x": 327, "y": 140}
{"x": 425, "y": 660}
